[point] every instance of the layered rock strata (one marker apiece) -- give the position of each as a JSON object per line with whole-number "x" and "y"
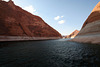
{"x": 90, "y": 32}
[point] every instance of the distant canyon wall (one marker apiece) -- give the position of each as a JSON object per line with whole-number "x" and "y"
{"x": 73, "y": 34}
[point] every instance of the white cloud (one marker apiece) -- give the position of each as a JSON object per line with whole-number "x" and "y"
{"x": 61, "y": 21}
{"x": 57, "y": 18}
{"x": 30, "y": 9}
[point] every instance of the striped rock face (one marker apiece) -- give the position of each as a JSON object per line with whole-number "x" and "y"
{"x": 94, "y": 16}
{"x": 14, "y": 21}
{"x": 90, "y": 32}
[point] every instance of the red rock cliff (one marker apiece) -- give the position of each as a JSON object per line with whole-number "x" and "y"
{"x": 94, "y": 16}
{"x": 14, "y": 21}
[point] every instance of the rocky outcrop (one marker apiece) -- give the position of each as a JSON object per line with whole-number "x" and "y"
{"x": 73, "y": 34}
{"x": 14, "y": 21}
{"x": 90, "y": 32}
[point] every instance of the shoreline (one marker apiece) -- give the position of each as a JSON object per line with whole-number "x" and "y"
{"x": 89, "y": 34}
{"x": 25, "y": 38}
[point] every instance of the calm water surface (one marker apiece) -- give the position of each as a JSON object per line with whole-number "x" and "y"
{"x": 50, "y": 53}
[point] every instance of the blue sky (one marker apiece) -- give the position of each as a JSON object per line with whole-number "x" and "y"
{"x": 63, "y": 15}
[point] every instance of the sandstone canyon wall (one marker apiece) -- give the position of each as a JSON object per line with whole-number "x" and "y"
{"x": 73, "y": 34}
{"x": 90, "y": 32}
{"x": 16, "y": 23}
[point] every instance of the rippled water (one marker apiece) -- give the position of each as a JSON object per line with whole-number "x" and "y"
{"x": 50, "y": 53}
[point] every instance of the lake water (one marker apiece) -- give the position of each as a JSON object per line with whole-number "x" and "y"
{"x": 49, "y": 53}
